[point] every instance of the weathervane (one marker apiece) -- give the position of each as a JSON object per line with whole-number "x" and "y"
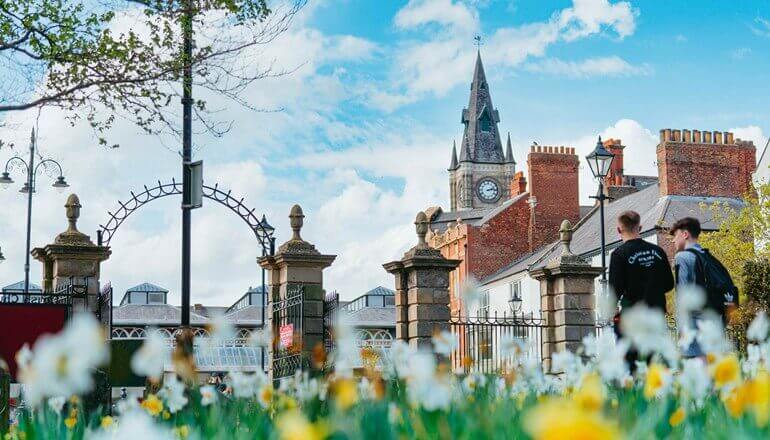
{"x": 477, "y": 38}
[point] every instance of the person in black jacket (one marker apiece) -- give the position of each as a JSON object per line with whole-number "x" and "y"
{"x": 639, "y": 272}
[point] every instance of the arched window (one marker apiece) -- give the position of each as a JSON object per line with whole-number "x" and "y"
{"x": 485, "y": 122}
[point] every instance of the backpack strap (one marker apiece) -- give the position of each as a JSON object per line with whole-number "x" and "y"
{"x": 700, "y": 277}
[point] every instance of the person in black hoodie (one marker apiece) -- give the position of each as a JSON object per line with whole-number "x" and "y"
{"x": 639, "y": 272}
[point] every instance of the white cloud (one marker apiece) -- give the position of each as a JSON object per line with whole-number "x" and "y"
{"x": 591, "y": 67}
{"x": 751, "y": 133}
{"x": 740, "y": 53}
{"x": 679, "y": 38}
{"x": 449, "y": 13}
{"x": 761, "y": 27}
{"x": 441, "y": 61}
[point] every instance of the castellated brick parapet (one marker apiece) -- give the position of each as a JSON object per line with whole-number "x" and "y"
{"x": 704, "y": 163}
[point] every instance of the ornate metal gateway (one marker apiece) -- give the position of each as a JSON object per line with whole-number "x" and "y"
{"x": 262, "y": 230}
{"x": 287, "y": 331}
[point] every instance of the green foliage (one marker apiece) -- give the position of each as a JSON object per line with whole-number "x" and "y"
{"x": 756, "y": 282}
{"x": 743, "y": 235}
{"x": 125, "y": 56}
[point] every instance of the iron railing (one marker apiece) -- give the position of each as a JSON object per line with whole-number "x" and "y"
{"x": 288, "y": 324}
{"x": 487, "y": 344}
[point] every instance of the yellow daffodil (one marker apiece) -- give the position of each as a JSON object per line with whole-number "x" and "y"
{"x": 735, "y": 401}
{"x": 265, "y": 395}
{"x": 726, "y": 371}
{"x": 562, "y": 418}
{"x": 182, "y": 431}
{"x": 152, "y": 405}
{"x": 345, "y": 393}
{"x": 166, "y": 415}
{"x": 758, "y": 397}
{"x": 591, "y": 394}
{"x": 677, "y": 417}
{"x": 657, "y": 377}
{"x": 70, "y": 422}
{"x": 106, "y": 422}
{"x": 293, "y": 425}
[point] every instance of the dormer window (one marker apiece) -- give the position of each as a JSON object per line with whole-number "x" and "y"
{"x": 485, "y": 122}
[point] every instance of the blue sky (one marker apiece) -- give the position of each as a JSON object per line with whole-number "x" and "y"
{"x": 369, "y": 117}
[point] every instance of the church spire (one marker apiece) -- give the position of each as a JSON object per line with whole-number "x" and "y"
{"x": 509, "y": 151}
{"x": 481, "y": 139}
{"x": 453, "y": 165}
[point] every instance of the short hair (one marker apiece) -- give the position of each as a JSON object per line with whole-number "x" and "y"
{"x": 689, "y": 224}
{"x": 629, "y": 220}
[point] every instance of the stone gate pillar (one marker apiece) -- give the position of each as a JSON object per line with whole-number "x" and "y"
{"x": 73, "y": 259}
{"x": 297, "y": 266}
{"x": 422, "y": 290}
{"x": 566, "y": 299}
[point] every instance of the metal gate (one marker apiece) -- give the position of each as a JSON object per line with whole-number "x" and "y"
{"x": 486, "y": 343}
{"x": 331, "y": 307}
{"x": 287, "y": 326}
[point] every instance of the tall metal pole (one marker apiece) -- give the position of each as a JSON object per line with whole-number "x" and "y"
{"x": 601, "y": 220}
{"x": 187, "y": 32}
{"x": 30, "y": 187}
{"x": 264, "y": 304}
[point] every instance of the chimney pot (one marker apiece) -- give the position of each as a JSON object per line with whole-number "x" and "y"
{"x": 686, "y": 135}
{"x": 667, "y": 134}
{"x": 717, "y": 137}
{"x": 677, "y": 135}
{"x": 662, "y": 135}
{"x": 706, "y": 137}
{"x": 696, "y": 136}
{"x": 728, "y": 138}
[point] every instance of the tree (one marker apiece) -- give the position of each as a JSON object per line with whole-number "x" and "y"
{"x": 743, "y": 235}
{"x": 125, "y": 56}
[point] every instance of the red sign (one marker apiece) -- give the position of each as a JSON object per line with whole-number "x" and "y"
{"x": 286, "y": 335}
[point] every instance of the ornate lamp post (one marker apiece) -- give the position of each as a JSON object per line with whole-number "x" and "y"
{"x": 268, "y": 230}
{"x": 29, "y": 188}
{"x": 599, "y": 161}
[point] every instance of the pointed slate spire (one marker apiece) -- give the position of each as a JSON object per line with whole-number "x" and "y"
{"x": 509, "y": 151}
{"x": 453, "y": 165}
{"x": 481, "y": 139}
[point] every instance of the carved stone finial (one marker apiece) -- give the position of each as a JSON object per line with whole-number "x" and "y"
{"x": 296, "y": 221}
{"x": 565, "y": 236}
{"x": 421, "y": 225}
{"x": 73, "y": 212}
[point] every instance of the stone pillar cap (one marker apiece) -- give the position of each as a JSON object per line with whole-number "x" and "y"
{"x": 296, "y": 245}
{"x": 72, "y": 236}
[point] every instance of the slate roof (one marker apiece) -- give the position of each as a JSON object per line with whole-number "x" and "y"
{"x": 480, "y": 146}
{"x": 19, "y": 287}
{"x": 656, "y": 213}
{"x": 444, "y": 219}
{"x": 147, "y": 287}
{"x": 166, "y": 314}
{"x": 379, "y": 290}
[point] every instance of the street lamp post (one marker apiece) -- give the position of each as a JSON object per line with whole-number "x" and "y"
{"x": 31, "y": 169}
{"x": 599, "y": 161}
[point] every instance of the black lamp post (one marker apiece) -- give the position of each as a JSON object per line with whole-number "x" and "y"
{"x": 266, "y": 247}
{"x": 599, "y": 161}
{"x": 29, "y": 188}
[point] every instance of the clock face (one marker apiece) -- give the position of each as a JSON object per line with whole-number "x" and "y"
{"x": 488, "y": 190}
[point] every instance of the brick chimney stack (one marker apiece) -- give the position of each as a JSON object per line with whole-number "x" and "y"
{"x": 518, "y": 184}
{"x": 615, "y": 176}
{"x": 553, "y": 184}
{"x": 704, "y": 163}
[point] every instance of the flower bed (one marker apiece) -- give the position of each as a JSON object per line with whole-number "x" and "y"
{"x": 416, "y": 396}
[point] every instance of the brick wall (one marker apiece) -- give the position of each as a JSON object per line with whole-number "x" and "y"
{"x": 518, "y": 184}
{"x": 500, "y": 241}
{"x": 553, "y": 181}
{"x": 696, "y": 163}
{"x": 615, "y": 176}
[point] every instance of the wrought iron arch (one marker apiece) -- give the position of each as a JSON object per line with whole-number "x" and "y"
{"x": 262, "y": 230}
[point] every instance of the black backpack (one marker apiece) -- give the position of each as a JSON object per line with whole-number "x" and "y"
{"x": 712, "y": 275}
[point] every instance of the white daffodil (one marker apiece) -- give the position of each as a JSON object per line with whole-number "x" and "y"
{"x": 208, "y": 395}
{"x": 711, "y": 335}
{"x": 173, "y": 392}
{"x": 753, "y": 361}
{"x": 694, "y": 380}
{"x": 758, "y": 328}
{"x": 56, "y": 403}
{"x": 471, "y": 295}
{"x": 244, "y": 385}
{"x": 445, "y": 342}
{"x": 571, "y": 365}
{"x": 473, "y": 381}
{"x": 432, "y": 394}
{"x": 646, "y": 328}
{"x": 23, "y": 357}
{"x": 688, "y": 299}
{"x": 398, "y": 358}
{"x": 62, "y": 364}
{"x": 262, "y": 338}
{"x": 134, "y": 425}
{"x": 512, "y": 346}
{"x": 608, "y": 354}
{"x": 151, "y": 357}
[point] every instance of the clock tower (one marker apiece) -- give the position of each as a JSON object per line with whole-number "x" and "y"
{"x": 481, "y": 176}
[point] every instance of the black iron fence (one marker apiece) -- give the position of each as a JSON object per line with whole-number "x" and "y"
{"x": 331, "y": 310}
{"x": 490, "y": 344}
{"x": 287, "y": 328}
